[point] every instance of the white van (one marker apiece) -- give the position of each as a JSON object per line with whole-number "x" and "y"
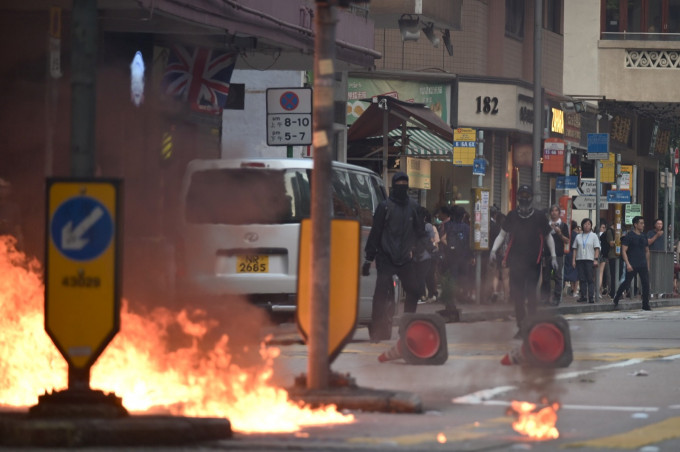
{"x": 239, "y": 227}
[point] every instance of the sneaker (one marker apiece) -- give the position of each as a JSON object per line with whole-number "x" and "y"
{"x": 646, "y": 307}
{"x": 616, "y": 301}
{"x": 591, "y": 301}
{"x": 581, "y": 300}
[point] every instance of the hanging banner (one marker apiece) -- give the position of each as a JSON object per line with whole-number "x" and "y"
{"x": 418, "y": 172}
{"x": 553, "y": 156}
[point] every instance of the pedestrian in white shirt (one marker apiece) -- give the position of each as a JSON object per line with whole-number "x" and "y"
{"x": 585, "y": 259}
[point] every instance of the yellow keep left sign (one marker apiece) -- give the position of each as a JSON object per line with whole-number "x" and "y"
{"x": 82, "y": 286}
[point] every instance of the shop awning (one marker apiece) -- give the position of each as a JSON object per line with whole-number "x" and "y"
{"x": 424, "y": 144}
{"x": 371, "y": 122}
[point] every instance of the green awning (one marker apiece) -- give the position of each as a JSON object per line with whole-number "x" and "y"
{"x": 424, "y": 144}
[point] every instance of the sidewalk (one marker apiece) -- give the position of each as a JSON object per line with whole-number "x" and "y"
{"x": 472, "y": 312}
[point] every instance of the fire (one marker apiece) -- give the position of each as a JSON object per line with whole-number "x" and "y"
{"x": 138, "y": 365}
{"x": 538, "y": 425}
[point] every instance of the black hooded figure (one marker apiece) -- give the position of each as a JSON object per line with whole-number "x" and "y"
{"x": 396, "y": 234}
{"x": 529, "y": 230}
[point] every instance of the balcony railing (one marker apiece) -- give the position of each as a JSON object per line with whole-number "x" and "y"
{"x": 626, "y": 36}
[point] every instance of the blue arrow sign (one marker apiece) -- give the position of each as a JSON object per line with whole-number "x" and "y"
{"x": 618, "y": 196}
{"x": 565, "y": 182}
{"x": 81, "y": 228}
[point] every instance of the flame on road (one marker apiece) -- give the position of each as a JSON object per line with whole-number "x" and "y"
{"x": 138, "y": 364}
{"x": 538, "y": 425}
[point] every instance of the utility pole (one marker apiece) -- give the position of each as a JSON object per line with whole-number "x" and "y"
{"x": 538, "y": 102}
{"x": 318, "y": 370}
{"x": 83, "y": 108}
{"x": 83, "y": 86}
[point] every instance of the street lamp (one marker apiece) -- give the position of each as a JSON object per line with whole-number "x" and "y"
{"x": 409, "y": 26}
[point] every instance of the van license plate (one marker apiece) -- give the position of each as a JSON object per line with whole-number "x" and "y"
{"x": 252, "y": 264}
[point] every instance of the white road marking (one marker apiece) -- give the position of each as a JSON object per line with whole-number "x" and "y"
{"x": 634, "y": 409}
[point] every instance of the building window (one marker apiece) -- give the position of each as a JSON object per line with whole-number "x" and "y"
{"x": 648, "y": 19}
{"x": 514, "y": 18}
{"x": 552, "y": 15}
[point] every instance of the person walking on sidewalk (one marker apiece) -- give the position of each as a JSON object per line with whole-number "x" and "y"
{"x": 393, "y": 243}
{"x": 560, "y": 234}
{"x": 635, "y": 254}
{"x": 655, "y": 236}
{"x": 585, "y": 259}
{"x": 528, "y": 230}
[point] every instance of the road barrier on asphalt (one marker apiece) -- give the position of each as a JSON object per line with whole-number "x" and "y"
{"x": 546, "y": 343}
{"x": 422, "y": 340}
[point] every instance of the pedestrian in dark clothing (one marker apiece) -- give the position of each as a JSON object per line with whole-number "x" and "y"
{"x": 586, "y": 259}
{"x": 560, "y": 234}
{"x": 393, "y": 242}
{"x": 456, "y": 258}
{"x": 655, "y": 236}
{"x": 528, "y": 230}
{"x": 635, "y": 253}
{"x": 570, "y": 272}
{"x": 425, "y": 258}
{"x": 608, "y": 252}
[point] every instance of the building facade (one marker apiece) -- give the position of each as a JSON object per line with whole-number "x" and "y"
{"x": 480, "y": 58}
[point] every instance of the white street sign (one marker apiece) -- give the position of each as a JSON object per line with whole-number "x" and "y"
{"x": 587, "y": 187}
{"x": 588, "y": 202}
{"x": 289, "y": 116}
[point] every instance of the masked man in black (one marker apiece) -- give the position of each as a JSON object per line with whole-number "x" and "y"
{"x": 528, "y": 231}
{"x": 394, "y": 239}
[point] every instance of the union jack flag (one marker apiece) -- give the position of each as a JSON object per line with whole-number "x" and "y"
{"x": 200, "y": 76}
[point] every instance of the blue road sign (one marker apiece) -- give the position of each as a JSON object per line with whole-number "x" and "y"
{"x": 81, "y": 228}
{"x": 479, "y": 167}
{"x": 598, "y": 146}
{"x": 566, "y": 182}
{"x": 619, "y": 196}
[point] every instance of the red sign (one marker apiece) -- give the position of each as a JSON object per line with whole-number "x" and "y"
{"x": 553, "y": 156}
{"x": 676, "y": 161}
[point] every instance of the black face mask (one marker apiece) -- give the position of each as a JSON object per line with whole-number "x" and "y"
{"x": 400, "y": 192}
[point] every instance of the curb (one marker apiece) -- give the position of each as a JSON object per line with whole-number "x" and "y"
{"x": 478, "y": 315}
{"x": 18, "y": 429}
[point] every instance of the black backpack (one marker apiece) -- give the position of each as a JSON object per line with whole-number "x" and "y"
{"x": 604, "y": 244}
{"x": 457, "y": 240}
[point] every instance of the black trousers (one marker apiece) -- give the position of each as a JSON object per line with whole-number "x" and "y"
{"x": 613, "y": 277}
{"x": 523, "y": 285}
{"x": 383, "y": 300}
{"x": 644, "y": 279}
{"x": 586, "y": 277}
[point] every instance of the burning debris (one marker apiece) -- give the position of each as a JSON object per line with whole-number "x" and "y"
{"x": 193, "y": 379}
{"x": 536, "y": 424}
